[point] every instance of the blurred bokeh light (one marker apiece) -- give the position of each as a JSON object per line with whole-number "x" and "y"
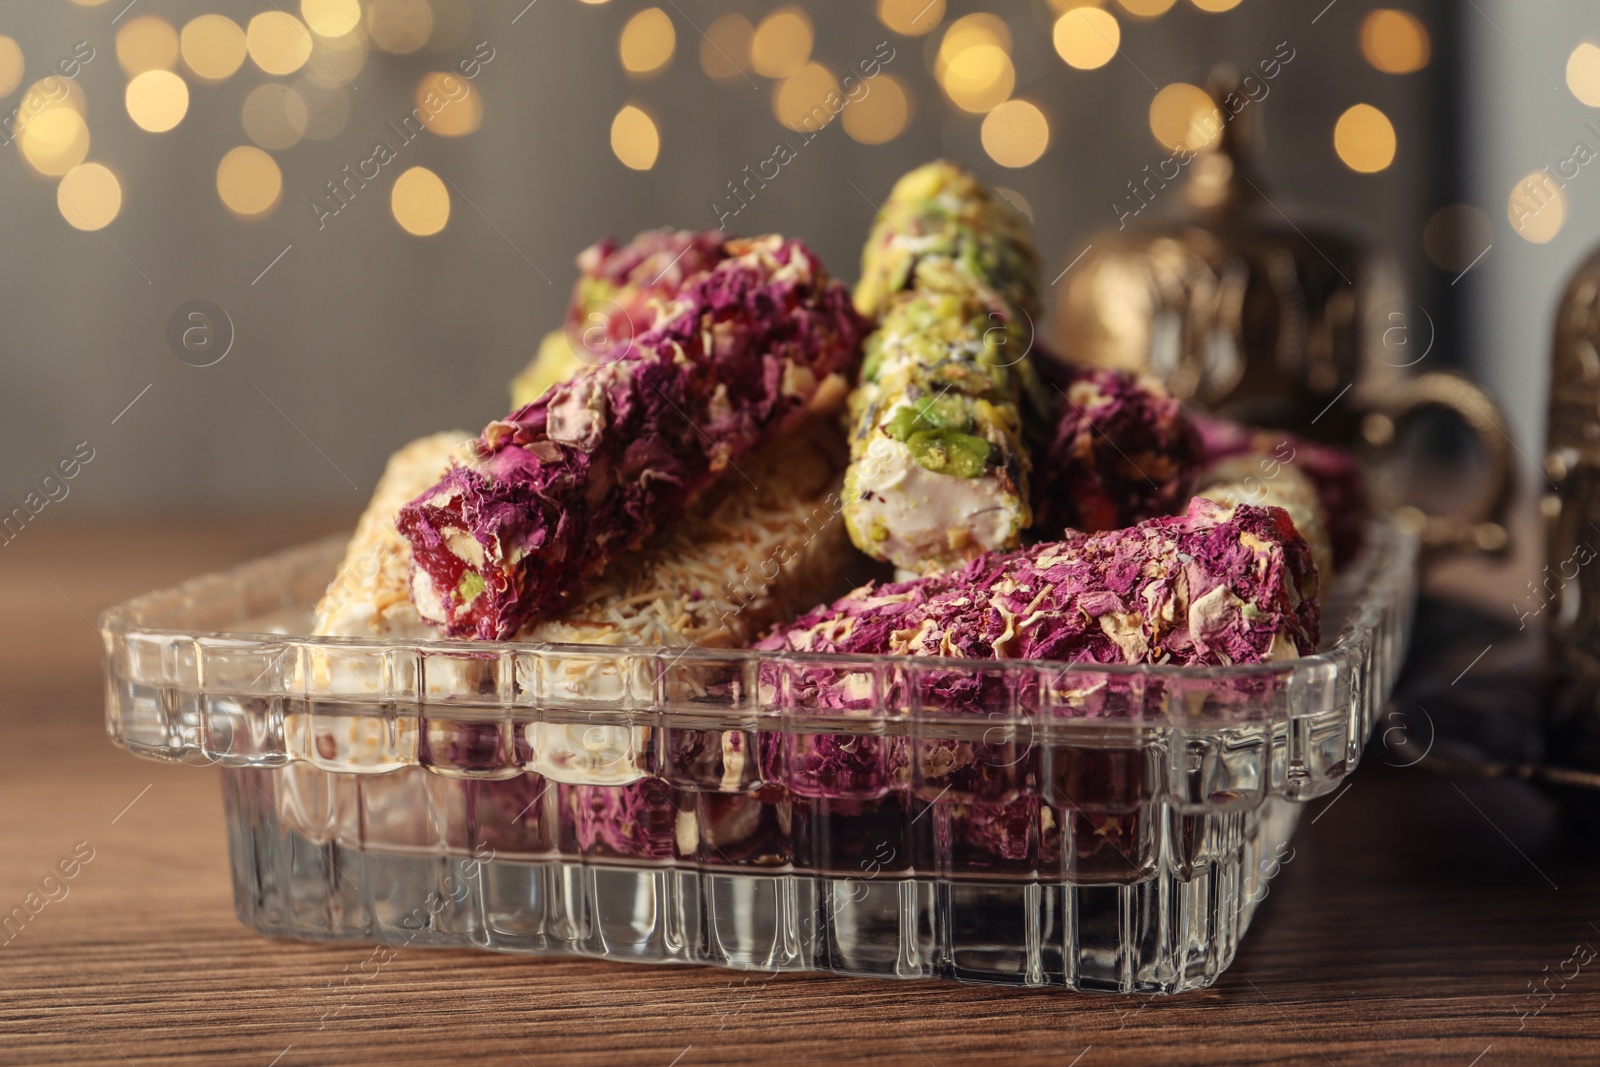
{"x": 249, "y": 181}
{"x": 634, "y": 138}
{"x": 1364, "y": 138}
{"x": 420, "y": 202}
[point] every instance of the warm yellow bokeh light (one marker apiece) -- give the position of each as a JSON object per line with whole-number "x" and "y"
{"x": 400, "y": 26}
{"x": 157, "y": 100}
{"x": 879, "y": 116}
{"x": 634, "y": 138}
{"x": 800, "y": 101}
{"x": 279, "y": 43}
{"x": 147, "y": 43}
{"x": 1364, "y": 138}
{"x": 54, "y": 141}
{"x": 1183, "y": 116}
{"x": 979, "y": 78}
{"x": 331, "y": 18}
{"x": 456, "y": 104}
{"x": 782, "y": 43}
{"x": 89, "y": 197}
{"x": 10, "y": 65}
{"x": 1395, "y": 42}
{"x": 420, "y": 202}
{"x": 1147, "y": 9}
{"x": 1015, "y": 134}
{"x": 249, "y": 181}
{"x": 1583, "y": 74}
{"x": 1215, "y": 5}
{"x": 1087, "y": 37}
{"x": 275, "y": 116}
{"x": 911, "y": 17}
{"x": 647, "y": 42}
{"x": 1456, "y": 236}
{"x": 48, "y": 93}
{"x": 969, "y": 31}
{"x": 1537, "y": 208}
{"x": 725, "y": 49}
{"x": 213, "y": 47}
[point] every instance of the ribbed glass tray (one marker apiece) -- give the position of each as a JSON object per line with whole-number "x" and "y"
{"x": 1093, "y": 827}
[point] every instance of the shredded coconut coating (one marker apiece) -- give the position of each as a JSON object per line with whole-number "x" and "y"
{"x": 1209, "y": 587}
{"x": 560, "y": 488}
{"x": 1338, "y": 477}
{"x": 939, "y": 472}
{"x": 620, "y": 293}
{"x": 1120, "y": 450}
{"x": 370, "y": 594}
{"x": 940, "y": 221}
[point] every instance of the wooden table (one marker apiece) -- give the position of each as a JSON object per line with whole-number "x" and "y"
{"x": 1406, "y": 929}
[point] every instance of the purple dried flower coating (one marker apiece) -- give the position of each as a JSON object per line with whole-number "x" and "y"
{"x": 1208, "y": 587}
{"x": 1121, "y": 450}
{"x": 1341, "y": 485}
{"x": 622, "y": 289}
{"x": 595, "y": 465}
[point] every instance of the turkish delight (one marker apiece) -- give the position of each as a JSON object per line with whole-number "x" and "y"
{"x": 1120, "y": 449}
{"x": 1338, "y": 477}
{"x": 938, "y": 222}
{"x": 1212, "y": 586}
{"x": 621, "y": 292}
{"x": 558, "y": 489}
{"x": 938, "y": 471}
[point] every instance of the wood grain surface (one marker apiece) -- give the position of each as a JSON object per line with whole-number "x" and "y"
{"x": 1408, "y": 927}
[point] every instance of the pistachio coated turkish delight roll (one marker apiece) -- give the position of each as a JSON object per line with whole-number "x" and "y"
{"x": 939, "y": 222}
{"x": 938, "y": 470}
{"x": 558, "y": 489}
{"x": 1210, "y": 587}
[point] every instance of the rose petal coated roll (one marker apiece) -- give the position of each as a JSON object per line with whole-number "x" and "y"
{"x": 558, "y": 489}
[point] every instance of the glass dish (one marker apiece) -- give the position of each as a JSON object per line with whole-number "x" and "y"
{"x": 1042, "y": 824}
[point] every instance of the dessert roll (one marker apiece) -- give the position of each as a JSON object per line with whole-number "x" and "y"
{"x": 938, "y": 471}
{"x": 940, "y": 222}
{"x": 747, "y": 555}
{"x": 1119, "y": 449}
{"x": 620, "y": 292}
{"x": 370, "y": 595}
{"x": 1259, "y": 479}
{"x": 558, "y": 489}
{"x": 1340, "y": 484}
{"x": 1211, "y": 587}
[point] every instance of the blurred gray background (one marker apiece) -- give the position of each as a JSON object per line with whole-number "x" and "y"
{"x": 356, "y": 337}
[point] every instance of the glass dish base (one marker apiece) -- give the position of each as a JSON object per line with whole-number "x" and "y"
{"x": 1174, "y": 931}
{"x": 1082, "y": 826}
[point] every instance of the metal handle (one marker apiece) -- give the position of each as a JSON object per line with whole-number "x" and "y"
{"x": 1480, "y": 525}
